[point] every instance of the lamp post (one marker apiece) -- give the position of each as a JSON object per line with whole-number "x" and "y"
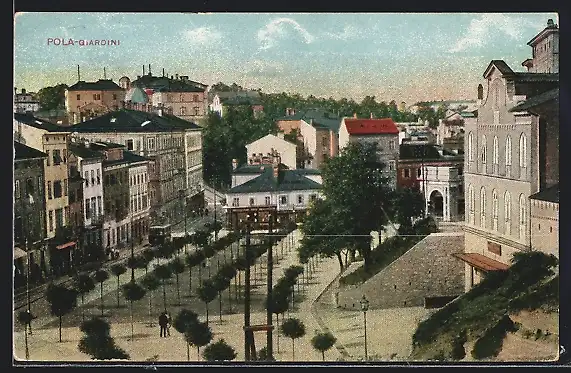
{"x": 365, "y": 307}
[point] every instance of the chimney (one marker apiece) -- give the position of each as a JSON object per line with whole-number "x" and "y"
{"x": 276, "y": 166}
{"x": 143, "y": 70}
{"x": 78, "y": 74}
{"x": 150, "y": 70}
{"x": 104, "y": 73}
{"x": 138, "y": 76}
{"x": 234, "y": 164}
{"x": 176, "y": 76}
{"x": 163, "y": 71}
{"x": 23, "y": 91}
{"x": 355, "y": 115}
{"x": 160, "y": 112}
{"x": 371, "y": 115}
{"x": 172, "y": 77}
{"x": 550, "y": 23}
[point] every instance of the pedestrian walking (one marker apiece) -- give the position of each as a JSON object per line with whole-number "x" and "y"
{"x": 163, "y": 322}
{"x": 169, "y": 321}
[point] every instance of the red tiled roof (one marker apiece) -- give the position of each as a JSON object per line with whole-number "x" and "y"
{"x": 481, "y": 261}
{"x": 383, "y": 126}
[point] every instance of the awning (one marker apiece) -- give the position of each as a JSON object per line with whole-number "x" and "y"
{"x": 65, "y": 245}
{"x": 18, "y": 253}
{"x": 481, "y": 262}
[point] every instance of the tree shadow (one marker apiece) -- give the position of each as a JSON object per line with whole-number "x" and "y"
{"x": 135, "y": 336}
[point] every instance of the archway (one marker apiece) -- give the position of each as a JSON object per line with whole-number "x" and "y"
{"x": 436, "y": 206}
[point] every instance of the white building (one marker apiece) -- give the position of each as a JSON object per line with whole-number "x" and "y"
{"x": 138, "y": 197}
{"x": 25, "y": 102}
{"x": 382, "y": 132}
{"x": 443, "y": 189}
{"x": 263, "y": 149}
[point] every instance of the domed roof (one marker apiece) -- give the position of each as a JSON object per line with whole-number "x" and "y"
{"x": 136, "y": 95}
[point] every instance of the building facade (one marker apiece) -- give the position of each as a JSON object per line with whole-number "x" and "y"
{"x": 222, "y": 100}
{"x": 505, "y": 155}
{"x": 175, "y": 147}
{"x": 87, "y": 100}
{"x": 263, "y": 150}
{"x": 382, "y": 132}
{"x": 25, "y": 102}
{"x": 29, "y": 215}
{"x": 545, "y": 220}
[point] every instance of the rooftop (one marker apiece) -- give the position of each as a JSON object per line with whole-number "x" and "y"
{"x": 550, "y": 194}
{"x": 537, "y": 100}
{"x": 255, "y": 168}
{"x": 22, "y": 151}
{"x": 100, "y": 85}
{"x": 165, "y": 84}
{"x": 288, "y": 180}
{"x": 39, "y": 123}
{"x": 82, "y": 151}
{"x": 125, "y": 120}
{"x": 317, "y": 117}
{"x": 384, "y": 126}
{"x": 550, "y": 29}
{"x": 423, "y": 151}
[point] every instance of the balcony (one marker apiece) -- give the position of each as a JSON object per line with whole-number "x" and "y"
{"x": 449, "y": 174}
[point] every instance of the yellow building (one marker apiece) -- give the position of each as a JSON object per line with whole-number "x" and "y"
{"x": 87, "y": 100}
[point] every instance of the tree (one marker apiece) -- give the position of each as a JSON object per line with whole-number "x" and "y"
{"x": 137, "y": 261}
{"x": 219, "y": 351}
{"x": 409, "y": 204}
{"x": 151, "y": 283}
{"x": 279, "y": 305}
{"x": 133, "y": 292}
{"x": 323, "y": 342}
{"x": 229, "y": 272}
{"x": 149, "y": 255}
{"x": 101, "y": 276}
{"x": 163, "y": 272}
{"x": 177, "y": 266}
{"x": 191, "y": 261}
{"x": 357, "y": 190}
{"x": 62, "y": 301}
{"x": 220, "y": 283}
{"x": 83, "y": 284}
{"x": 118, "y": 269}
{"x": 97, "y": 341}
{"x": 294, "y": 329}
{"x": 25, "y": 318}
{"x": 207, "y": 293}
{"x": 52, "y": 98}
{"x": 183, "y": 323}
{"x": 198, "y": 335}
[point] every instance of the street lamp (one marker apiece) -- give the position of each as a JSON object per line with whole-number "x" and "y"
{"x": 365, "y": 307}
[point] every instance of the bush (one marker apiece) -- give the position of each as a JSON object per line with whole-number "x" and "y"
{"x": 427, "y": 329}
{"x": 490, "y": 344}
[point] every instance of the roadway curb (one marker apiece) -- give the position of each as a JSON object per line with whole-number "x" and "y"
{"x": 342, "y": 350}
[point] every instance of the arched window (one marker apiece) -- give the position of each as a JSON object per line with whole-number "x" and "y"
{"x": 508, "y": 156}
{"x": 471, "y": 202}
{"x": 483, "y": 207}
{"x": 495, "y": 155}
{"x": 470, "y": 147}
{"x": 483, "y": 154}
{"x": 494, "y": 210}
{"x": 522, "y": 216}
{"x": 507, "y": 213}
{"x": 523, "y": 153}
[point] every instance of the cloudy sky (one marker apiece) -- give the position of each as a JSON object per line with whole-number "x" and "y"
{"x": 405, "y": 57}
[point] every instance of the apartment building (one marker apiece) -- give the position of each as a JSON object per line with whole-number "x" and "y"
{"x": 87, "y": 100}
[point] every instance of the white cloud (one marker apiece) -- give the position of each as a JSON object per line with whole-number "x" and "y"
{"x": 264, "y": 68}
{"x": 349, "y": 32}
{"x": 481, "y": 30}
{"x": 203, "y": 36}
{"x": 277, "y": 29}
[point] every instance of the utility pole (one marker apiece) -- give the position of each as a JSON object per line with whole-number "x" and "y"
{"x": 270, "y": 266}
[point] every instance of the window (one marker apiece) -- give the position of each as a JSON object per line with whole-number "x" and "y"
{"x": 283, "y": 200}
{"x": 129, "y": 144}
{"x": 98, "y": 177}
{"x": 508, "y": 156}
{"x": 196, "y": 98}
{"x": 523, "y": 152}
{"x": 235, "y": 202}
{"x": 494, "y": 210}
{"x": 114, "y": 96}
{"x": 470, "y": 147}
{"x": 29, "y": 187}
{"x": 522, "y": 217}
{"x": 196, "y": 110}
{"x": 484, "y": 155}
{"x": 51, "y": 220}
{"x": 151, "y": 144}
{"x": 17, "y": 189}
{"x": 300, "y": 199}
{"x": 64, "y": 187}
{"x": 56, "y": 157}
{"x": 87, "y": 209}
{"x": 312, "y": 197}
{"x": 183, "y": 110}
{"x": 59, "y": 218}
{"x": 86, "y": 178}
{"x": 392, "y": 145}
{"x": 79, "y": 97}
{"x": 50, "y": 194}
{"x": 251, "y": 201}
{"x": 92, "y": 177}
{"x": 495, "y": 154}
{"x": 471, "y": 202}
{"x": 392, "y": 165}
{"x": 418, "y": 172}
{"x": 267, "y": 200}
{"x": 483, "y": 207}
{"x": 48, "y": 158}
{"x": 406, "y": 172}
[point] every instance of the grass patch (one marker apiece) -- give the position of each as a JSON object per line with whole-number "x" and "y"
{"x": 389, "y": 251}
{"x": 480, "y": 315}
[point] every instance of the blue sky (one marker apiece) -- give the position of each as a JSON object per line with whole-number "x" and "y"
{"x": 400, "y": 56}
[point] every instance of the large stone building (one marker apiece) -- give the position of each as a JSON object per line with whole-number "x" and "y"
{"x": 382, "y": 132}
{"x": 87, "y": 100}
{"x": 29, "y": 214}
{"x": 173, "y": 144}
{"x": 509, "y": 155}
